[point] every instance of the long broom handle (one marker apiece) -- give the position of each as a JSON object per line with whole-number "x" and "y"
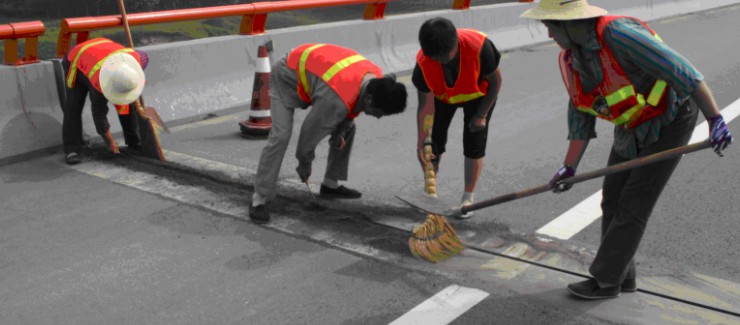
{"x": 127, "y": 29}
{"x": 634, "y": 163}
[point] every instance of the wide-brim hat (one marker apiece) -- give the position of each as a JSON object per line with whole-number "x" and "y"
{"x": 563, "y": 10}
{"x": 121, "y": 79}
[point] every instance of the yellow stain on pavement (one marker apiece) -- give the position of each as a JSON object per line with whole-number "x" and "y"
{"x": 673, "y": 288}
{"x": 508, "y": 269}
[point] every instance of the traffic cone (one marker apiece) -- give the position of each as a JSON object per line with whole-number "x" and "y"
{"x": 259, "y": 121}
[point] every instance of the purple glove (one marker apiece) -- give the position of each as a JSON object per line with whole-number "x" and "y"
{"x": 720, "y": 135}
{"x": 556, "y": 183}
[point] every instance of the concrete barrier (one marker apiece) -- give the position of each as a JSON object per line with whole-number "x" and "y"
{"x": 192, "y": 79}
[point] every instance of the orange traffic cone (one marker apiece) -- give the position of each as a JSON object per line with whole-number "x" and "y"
{"x": 259, "y": 121}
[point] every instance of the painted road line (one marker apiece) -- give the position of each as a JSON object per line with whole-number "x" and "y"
{"x": 583, "y": 214}
{"x": 444, "y": 307}
{"x": 574, "y": 220}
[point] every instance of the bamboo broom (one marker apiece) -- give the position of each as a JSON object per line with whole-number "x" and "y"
{"x": 435, "y": 239}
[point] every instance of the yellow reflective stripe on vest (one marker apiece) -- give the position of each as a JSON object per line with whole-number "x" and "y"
{"x": 620, "y": 95}
{"x": 463, "y": 97}
{"x": 631, "y": 113}
{"x": 656, "y": 94}
{"x": 302, "y": 67}
{"x": 73, "y": 67}
{"x": 341, "y": 65}
{"x": 100, "y": 63}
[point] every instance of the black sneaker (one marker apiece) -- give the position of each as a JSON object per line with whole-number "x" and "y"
{"x": 590, "y": 289}
{"x": 72, "y": 158}
{"x": 340, "y": 192}
{"x": 259, "y": 214}
{"x": 629, "y": 285}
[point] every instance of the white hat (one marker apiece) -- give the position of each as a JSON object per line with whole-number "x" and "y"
{"x": 563, "y": 10}
{"x": 121, "y": 79}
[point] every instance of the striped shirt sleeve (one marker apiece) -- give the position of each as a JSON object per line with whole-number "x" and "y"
{"x": 634, "y": 42}
{"x": 581, "y": 126}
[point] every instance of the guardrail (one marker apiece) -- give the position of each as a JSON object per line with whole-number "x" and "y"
{"x": 30, "y": 31}
{"x": 254, "y": 16}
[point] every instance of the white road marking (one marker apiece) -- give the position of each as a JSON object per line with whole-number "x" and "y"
{"x": 444, "y": 307}
{"x": 583, "y": 214}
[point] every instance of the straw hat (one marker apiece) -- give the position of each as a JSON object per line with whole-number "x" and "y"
{"x": 121, "y": 79}
{"x": 563, "y": 10}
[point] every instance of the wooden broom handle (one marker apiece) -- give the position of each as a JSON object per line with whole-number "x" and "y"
{"x": 634, "y": 163}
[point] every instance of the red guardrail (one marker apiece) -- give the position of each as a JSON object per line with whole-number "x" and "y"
{"x": 30, "y": 31}
{"x": 254, "y": 16}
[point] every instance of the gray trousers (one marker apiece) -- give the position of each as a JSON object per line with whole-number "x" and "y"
{"x": 273, "y": 152}
{"x": 629, "y": 199}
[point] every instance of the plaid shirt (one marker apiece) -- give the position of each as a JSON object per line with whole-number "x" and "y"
{"x": 644, "y": 60}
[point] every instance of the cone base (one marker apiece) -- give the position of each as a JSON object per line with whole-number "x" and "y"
{"x": 250, "y": 128}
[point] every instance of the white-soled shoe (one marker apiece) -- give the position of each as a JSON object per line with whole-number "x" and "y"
{"x": 468, "y": 214}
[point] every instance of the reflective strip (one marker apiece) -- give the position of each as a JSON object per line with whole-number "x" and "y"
{"x": 341, "y": 65}
{"x": 620, "y": 95}
{"x": 587, "y": 110}
{"x": 656, "y": 94}
{"x": 462, "y": 98}
{"x": 302, "y": 67}
{"x": 631, "y": 113}
{"x": 259, "y": 113}
{"x": 101, "y": 62}
{"x": 73, "y": 68}
{"x": 263, "y": 65}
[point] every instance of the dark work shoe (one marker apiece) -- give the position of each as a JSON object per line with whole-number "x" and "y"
{"x": 259, "y": 214}
{"x": 340, "y": 192}
{"x": 72, "y": 158}
{"x": 629, "y": 285}
{"x": 590, "y": 289}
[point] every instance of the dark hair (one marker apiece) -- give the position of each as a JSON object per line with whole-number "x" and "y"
{"x": 437, "y": 36}
{"x": 387, "y": 95}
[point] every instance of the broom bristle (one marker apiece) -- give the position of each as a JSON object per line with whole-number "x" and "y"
{"x": 435, "y": 240}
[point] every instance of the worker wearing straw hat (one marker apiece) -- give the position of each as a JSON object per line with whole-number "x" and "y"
{"x": 335, "y": 84}
{"x": 618, "y": 69}
{"x": 109, "y": 72}
{"x": 455, "y": 68}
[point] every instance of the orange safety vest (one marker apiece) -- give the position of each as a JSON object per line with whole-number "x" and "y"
{"x": 341, "y": 68}
{"x": 466, "y": 86}
{"x": 615, "y": 99}
{"x": 88, "y": 58}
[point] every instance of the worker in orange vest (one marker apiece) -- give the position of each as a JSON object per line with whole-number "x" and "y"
{"x": 617, "y": 68}
{"x": 107, "y": 71}
{"x": 456, "y": 68}
{"x": 335, "y": 84}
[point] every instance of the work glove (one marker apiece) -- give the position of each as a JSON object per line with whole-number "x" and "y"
{"x": 304, "y": 171}
{"x": 720, "y": 135}
{"x": 556, "y": 183}
{"x": 477, "y": 124}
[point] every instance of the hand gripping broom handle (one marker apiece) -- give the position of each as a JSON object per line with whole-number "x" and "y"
{"x": 634, "y": 163}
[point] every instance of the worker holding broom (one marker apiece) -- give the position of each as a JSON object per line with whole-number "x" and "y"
{"x": 107, "y": 71}
{"x": 455, "y": 68}
{"x": 618, "y": 69}
{"x": 335, "y": 84}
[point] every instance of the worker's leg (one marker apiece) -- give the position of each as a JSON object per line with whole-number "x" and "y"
{"x": 637, "y": 199}
{"x": 130, "y": 127}
{"x": 474, "y": 147}
{"x": 72, "y": 122}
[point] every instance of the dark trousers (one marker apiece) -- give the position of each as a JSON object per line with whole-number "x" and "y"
{"x": 474, "y": 144}
{"x": 72, "y": 123}
{"x": 629, "y": 198}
